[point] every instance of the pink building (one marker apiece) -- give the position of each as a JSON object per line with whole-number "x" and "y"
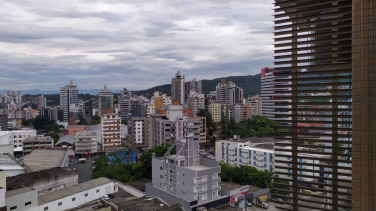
{"x": 73, "y": 129}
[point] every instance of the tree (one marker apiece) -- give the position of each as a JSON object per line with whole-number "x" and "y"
{"x": 124, "y": 122}
{"x": 82, "y": 122}
{"x": 95, "y": 120}
{"x": 40, "y": 121}
{"x": 243, "y": 132}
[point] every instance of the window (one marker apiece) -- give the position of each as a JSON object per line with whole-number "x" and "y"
{"x": 45, "y": 208}
{"x": 86, "y": 194}
{"x": 13, "y": 208}
{"x": 74, "y": 199}
{"x": 60, "y": 203}
{"x": 28, "y": 203}
{"x": 98, "y": 191}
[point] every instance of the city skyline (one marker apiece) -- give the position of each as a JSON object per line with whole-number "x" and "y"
{"x": 121, "y": 43}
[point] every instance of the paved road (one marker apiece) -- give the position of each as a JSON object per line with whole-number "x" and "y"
{"x": 84, "y": 171}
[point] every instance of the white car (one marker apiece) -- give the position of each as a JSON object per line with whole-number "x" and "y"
{"x": 105, "y": 197}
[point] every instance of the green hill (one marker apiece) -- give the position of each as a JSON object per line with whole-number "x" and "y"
{"x": 251, "y": 84}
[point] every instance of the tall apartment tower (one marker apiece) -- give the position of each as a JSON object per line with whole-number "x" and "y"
{"x": 195, "y": 86}
{"x": 229, "y": 93}
{"x": 327, "y": 48}
{"x": 269, "y": 91}
{"x": 68, "y": 95}
{"x": 41, "y": 102}
{"x": 125, "y": 104}
{"x": 177, "y": 88}
{"x": 110, "y": 124}
{"x": 105, "y": 101}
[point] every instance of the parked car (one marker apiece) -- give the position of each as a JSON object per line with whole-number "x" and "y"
{"x": 277, "y": 200}
{"x": 111, "y": 195}
{"x": 105, "y": 197}
{"x": 249, "y": 204}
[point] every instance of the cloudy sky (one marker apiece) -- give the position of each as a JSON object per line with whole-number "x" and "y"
{"x": 133, "y": 44}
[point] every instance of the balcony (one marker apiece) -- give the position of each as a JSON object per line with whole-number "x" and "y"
{"x": 199, "y": 180}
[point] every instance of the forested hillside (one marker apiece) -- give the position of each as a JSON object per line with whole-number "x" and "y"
{"x": 251, "y": 84}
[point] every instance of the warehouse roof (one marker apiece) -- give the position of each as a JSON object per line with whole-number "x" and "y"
{"x": 40, "y": 159}
{"x": 68, "y": 191}
{"x": 67, "y": 139}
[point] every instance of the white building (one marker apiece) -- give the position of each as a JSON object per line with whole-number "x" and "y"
{"x": 268, "y": 93}
{"x": 62, "y": 199}
{"x": 158, "y": 101}
{"x": 15, "y": 138}
{"x": 239, "y": 152}
{"x": 215, "y": 110}
{"x": 111, "y": 133}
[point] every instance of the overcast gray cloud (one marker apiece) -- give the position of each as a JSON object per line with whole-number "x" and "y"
{"x": 133, "y": 44}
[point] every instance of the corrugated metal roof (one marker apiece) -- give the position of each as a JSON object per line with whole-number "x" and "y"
{"x": 40, "y": 159}
{"x": 68, "y": 191}
{"x": 67, "y": 139}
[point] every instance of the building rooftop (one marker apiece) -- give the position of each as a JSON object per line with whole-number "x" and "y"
{"x": 17, "y": 191}
{"x": 142, "y": 204}
{"x": 8, "y": 162}
{"x": 68, "y": 191}
{"x": 37, "y": 139}
{"x": 226, "y": 186}
{"x": 253, "y": 139}
{"x": 198, "y": 167}
{"x": 23, "y": 180}
{"x": 67, "y": 139}
{"x": 40, "y": 159}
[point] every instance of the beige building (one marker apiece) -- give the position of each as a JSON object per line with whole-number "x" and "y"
{"x": 202, "y": 128}
{"x": 255, "y": 105}
{"x": 38, "y": 142}
{"x": 157, "y": 102}
{"x": 215, "y": 110}
{"x": 110, "y": 123}
{"x": 86, "y": 142}
{"x": 138, "y": 128}
{"x": 177, "y": 88}
{"x": 241, "y": 112}
{"x": 196, "y": 102}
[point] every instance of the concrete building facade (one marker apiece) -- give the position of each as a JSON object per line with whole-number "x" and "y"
{"x": 196, "y": 102}
{"x": 68, "y": 96}
{"x": 37, "y": 142}
{"x": 138, "y": 128}
{"x": 215, "y": 110}
{"x": 110, "y": 123}
{"x": 125, "y": 104}
{"x": 185, "y": 175}
{"x": 177, "y": 88}
{"x": 228, "y": 93}
{"x": 166, "y": 128}
{"x": 195, "y": 86}
{"x": 202, "y": 128}
{"x": 86, "y": 142}
{"x": 105, "y": 101}
{"x": 41, "y": 102}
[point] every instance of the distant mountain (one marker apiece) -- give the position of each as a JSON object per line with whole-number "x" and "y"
{"x": 251, "y": 84}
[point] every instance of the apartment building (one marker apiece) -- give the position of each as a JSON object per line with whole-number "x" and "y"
{"x": 271, "y": 87}
{"x": 105, "y": 101}
{"x": 125, "y": 104}
{"x": 86, "y": 142}
{"x": 68, "y": 96}
{"x": 38, "y": 142}
{"x": 255, "y": 105}
{"x": 196, "y": 102}
{"x": 184, "y": 177}
{"x": 110, "y": 123}
{"x": 177, "y": 88}
{"x": 41, "y": 102}
{"x": 12, "y": 96}
{"x": 237, "y": 152}
{"x": 202, "y": 128}
{"x": 173, "y": 125}
{"x": 3, "y": 122}
{"x": 157, "y": 102}
{"x": 195, "y": 86}
{"x": 241, "y": 112}
{"x": 331, "y": 53}
{"x": 228, "y": 93}
{"x": 14, "y": 139}
{"x": 215, "y": 110}
{"x": 138, "y": 129}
